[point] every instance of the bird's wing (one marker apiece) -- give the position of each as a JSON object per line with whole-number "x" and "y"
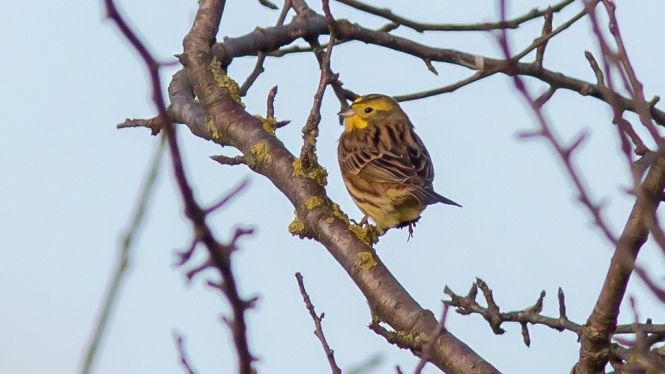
{"x": 392, "y": 153}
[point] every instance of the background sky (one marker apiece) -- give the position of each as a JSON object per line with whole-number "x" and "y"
{"x": 69, "y": 182}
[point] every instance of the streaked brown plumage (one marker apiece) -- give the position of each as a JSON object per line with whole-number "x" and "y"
{"x": 385, "y": 165}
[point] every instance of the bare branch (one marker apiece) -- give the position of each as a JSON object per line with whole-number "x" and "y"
{"x": 330, "y": 354}
{"x": 225, "y": 160}
{"x": 123, "y": 259}
{"x": 421, "y": 27}
{"x": 180, "y": 346}
{"x": 271, "y": 39}
{"x": 270, "y": 104}
{"x": 600, "y": 78}
{"x": 258, "y": 68}
{"x": 204, "y": 31}
{"x": 234, "y": 192}
{"x": 597, "y": 332}
{"x": 547, "y": 29}
{"x": 450, "y": 88}
{"x": 542, "y": 99}
{"x": 492, "y": 313}
{"x": 268, "y": 4}
{"x": 540, "y": 42}
{"x": 427, "y": 350}
{"x": 311, "y": 130}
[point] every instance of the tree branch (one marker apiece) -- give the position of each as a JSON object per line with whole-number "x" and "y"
{"x": 272, "y": 38}
{"x": 421, "y": 27}
{"x": 323, "y": 221}
{"x": 330, "y": 354}
{"x": 203, "y": 31}
{"x": 180, "y": 346}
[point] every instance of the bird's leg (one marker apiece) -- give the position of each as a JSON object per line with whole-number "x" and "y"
{"x": 412, "y": 224}
{"x": 363, "y": 222}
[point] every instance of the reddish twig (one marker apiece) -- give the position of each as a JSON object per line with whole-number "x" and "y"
{"x": 597, "y": 332}
{"x": 228, "y": 196}
{"x": 180, "y": 346}
{"x": 205, "y": 27}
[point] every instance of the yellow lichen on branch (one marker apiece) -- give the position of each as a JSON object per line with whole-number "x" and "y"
{"x": 411, "y": 340}
{"x": 297, "y": 228}
{"x": 337, "y": 212}
{"x": 214, "y": 131}
{"x": 364, "y": 262}
{"x": 269, "y": 124}
{"x": 367, "y": 234}
{"x": 316, "y": 172}
{"x": 225, "y": 81}
{"x": 258, "y": 155}
{"x": 314, "y": 202}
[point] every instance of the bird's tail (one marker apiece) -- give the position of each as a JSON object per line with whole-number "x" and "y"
{"x": 430, "y": 197}
{"x": 445, "y": 200}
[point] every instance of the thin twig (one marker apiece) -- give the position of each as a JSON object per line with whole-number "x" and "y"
{"x": 124, "y": 257}
{"x": 225, "y": 160}
{"x": 446, "y": 89}
{"x": 304, "y": 11}
{"x": 180, "y": 346}
{"x": 493, "y": 315}
{"x": 547, "y": 28}
{"x": 314, "y": 25}
{"x": 542, "y": 99}
{"x": 311, "y": 129}
{"x": 268, "y": 4}
{"x": 270, "y": 103}
{"x": 565, "y": 153}
{"x": 228, "y": 196}
{"x": 421, "y": 27}
{"x": 543, "y": 39}
{"x": 258, "y": 67}
{"x": 203, "y": 32}
{"x": 600, "y": 78}
{"x": 596, "y": 334}
{"x": 330, "y": 354}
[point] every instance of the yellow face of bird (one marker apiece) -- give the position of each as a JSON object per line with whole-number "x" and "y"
{"x": 370, "y": 109}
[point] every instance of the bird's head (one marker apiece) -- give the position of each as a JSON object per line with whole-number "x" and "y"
{"x": 371, "y": 109}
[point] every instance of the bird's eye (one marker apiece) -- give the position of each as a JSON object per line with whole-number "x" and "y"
{"x": 369, "y": 110}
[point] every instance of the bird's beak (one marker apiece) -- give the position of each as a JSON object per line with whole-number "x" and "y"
{"x": 346, "y": 113}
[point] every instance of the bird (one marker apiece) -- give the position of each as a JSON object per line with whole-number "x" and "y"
{"x": 384, "y": 164}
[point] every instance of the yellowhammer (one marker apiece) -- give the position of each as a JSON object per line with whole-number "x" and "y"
{"x": 386, "y": 167}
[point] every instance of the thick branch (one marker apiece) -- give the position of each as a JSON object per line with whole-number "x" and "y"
{"x": 326, "y": 223}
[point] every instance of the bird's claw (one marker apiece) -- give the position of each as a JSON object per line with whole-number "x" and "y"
{"x": 363, "y": 222}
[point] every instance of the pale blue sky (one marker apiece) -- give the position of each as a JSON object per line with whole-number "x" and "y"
{"x": 69, "y": 182}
